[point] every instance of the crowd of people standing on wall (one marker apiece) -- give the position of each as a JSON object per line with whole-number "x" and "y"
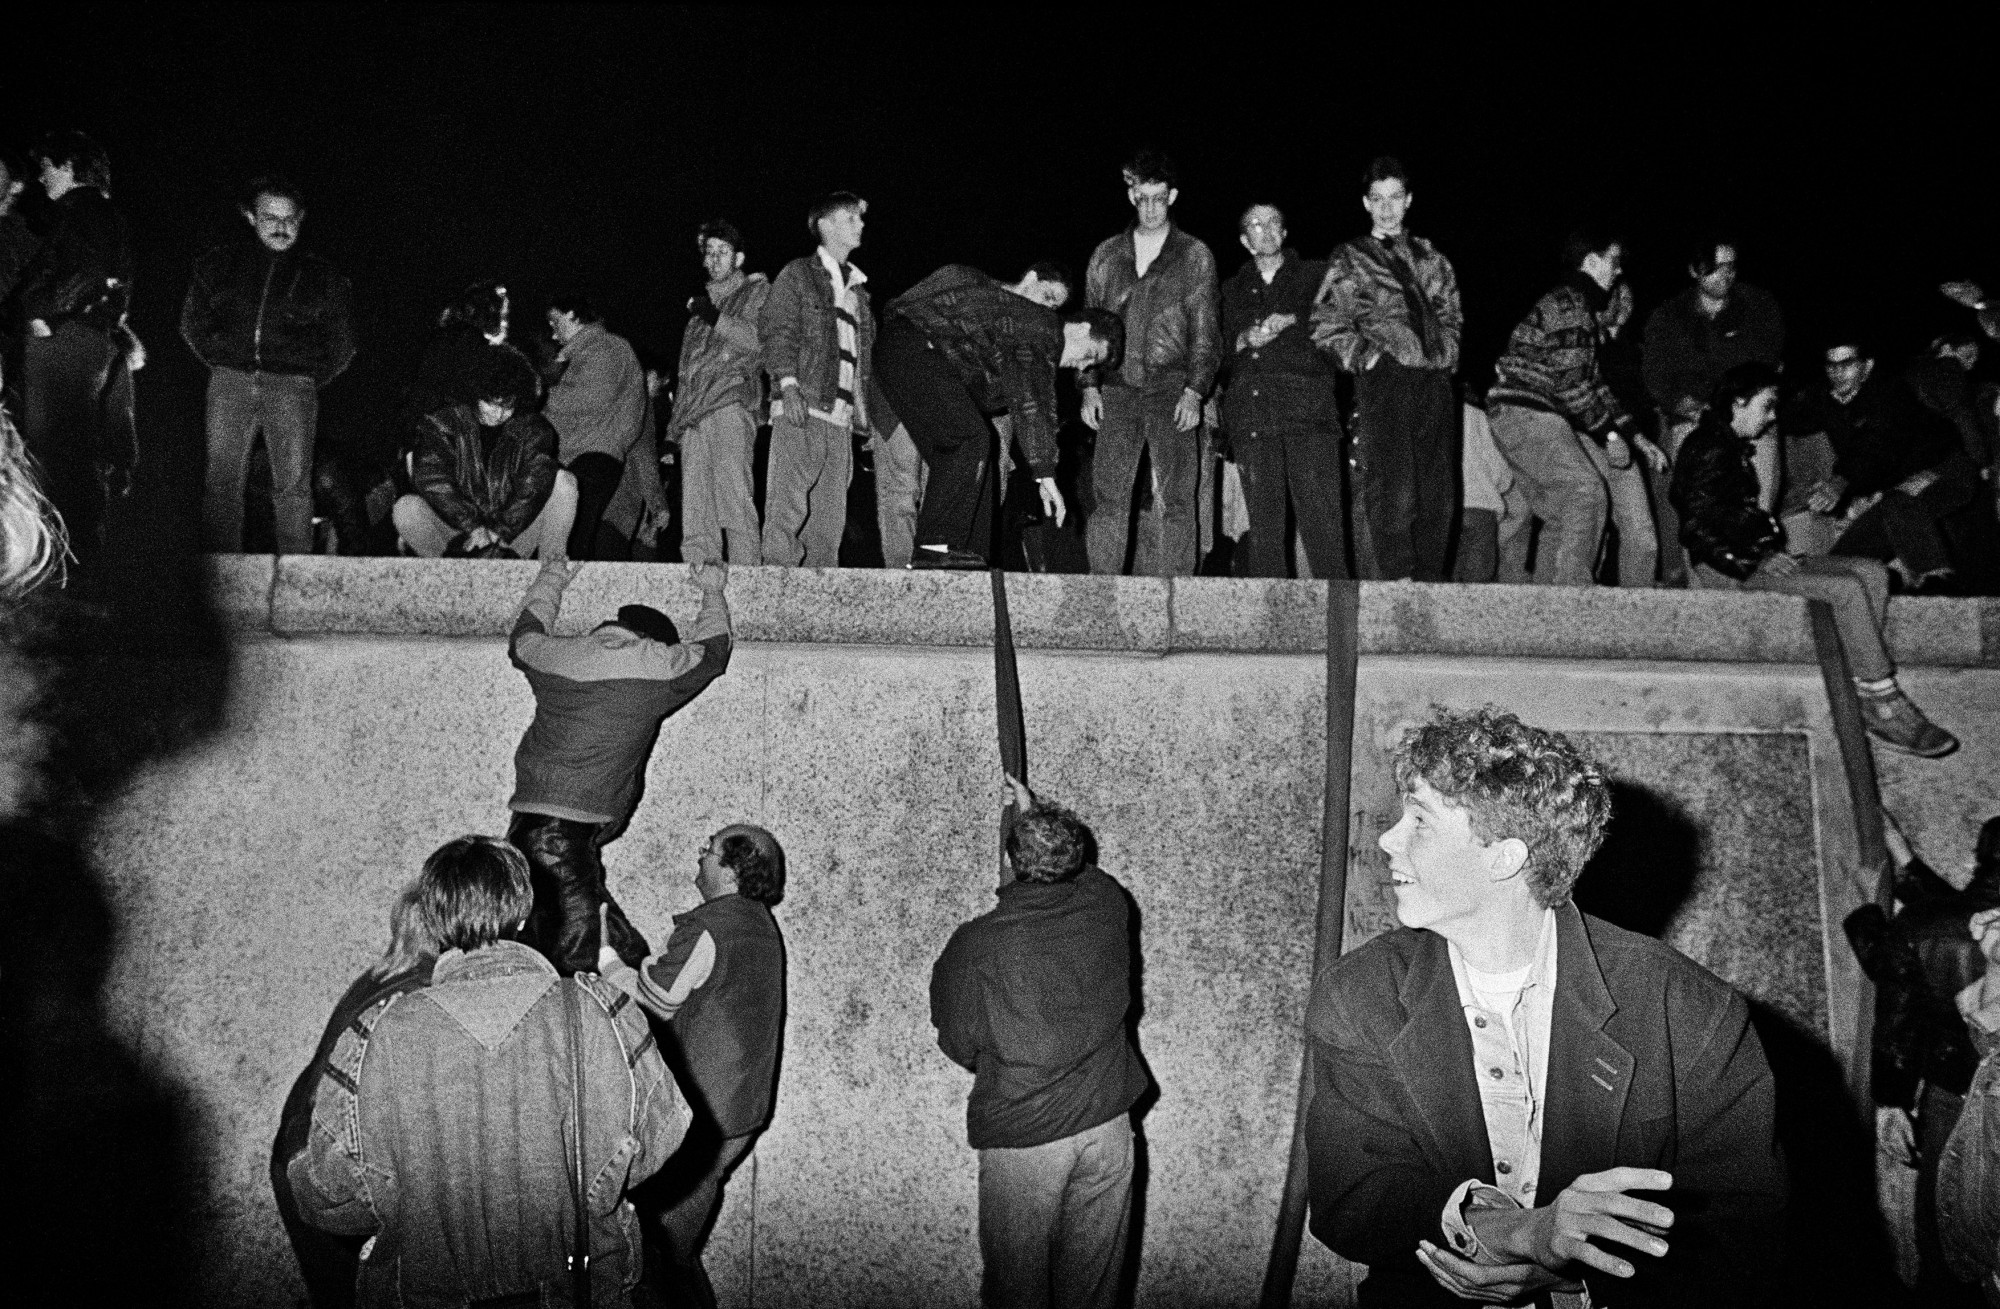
{"x": 1313, "y": 411}
{"x": 1299, "y": 417}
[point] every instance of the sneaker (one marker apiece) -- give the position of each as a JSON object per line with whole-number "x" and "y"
{"x": 926, "y": 558}
{"x": 1900, "y": 725}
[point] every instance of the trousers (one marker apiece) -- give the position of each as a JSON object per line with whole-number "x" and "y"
{"x": 1299, "y": 464}
{"x": 546, "y": 533}
{"x": 900, "y": 476}
{"x": 1406, "y": 467}
{"x": 719, "y": 489}
{"x": 689, "y": 1190}
{"x": 285, "y": 408}
{"x": 597, "y": 476}
{"x": 805, "y": 492}
{"x": 76, "y": 419}
{"x": 950, "y": 433}
{"x": 566, "y": 868}
{"x": 1053, "y": 1220}
{"x": 1136, "y": 421}
{"x": 1858, "y": 591}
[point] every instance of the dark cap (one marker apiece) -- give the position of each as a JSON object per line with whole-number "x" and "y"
{"x": 649, "y": 623}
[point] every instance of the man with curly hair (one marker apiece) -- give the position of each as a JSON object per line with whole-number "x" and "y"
{"x": 1512, "y": 1098}
{"x": 1033, "y": 997}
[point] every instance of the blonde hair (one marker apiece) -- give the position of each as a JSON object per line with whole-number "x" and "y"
{"x": 32, "y": 541}
{"x": 411, "y": 943}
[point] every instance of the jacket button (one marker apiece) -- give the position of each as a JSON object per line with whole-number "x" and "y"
{"x": 1495, "y": 1074}
{"x": 1503, "y": 1168}
{"x": 1479, "y": 1022}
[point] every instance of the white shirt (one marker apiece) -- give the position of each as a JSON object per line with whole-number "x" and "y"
{"x": 1146, "y": 247}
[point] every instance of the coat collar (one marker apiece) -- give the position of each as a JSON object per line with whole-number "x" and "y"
{"x": 1589, "y": 1072}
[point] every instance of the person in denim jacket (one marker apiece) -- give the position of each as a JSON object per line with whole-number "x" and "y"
{"x": 444, "y": 1127}
{"x": 1968, "y": 1195}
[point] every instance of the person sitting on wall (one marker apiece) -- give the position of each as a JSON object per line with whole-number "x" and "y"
{"x": 720, "y": 987}
{"x": 1888, "y": 445}
{"x": 486, "y": 475}
{"x": 329, "y": 1263}
{"x": 1507, "y": 1088}
{"x": 1735, "y": 542}
{"x": 599, "y": 701}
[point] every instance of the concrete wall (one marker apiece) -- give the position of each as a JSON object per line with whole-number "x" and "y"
{"x": 370, "y": 714}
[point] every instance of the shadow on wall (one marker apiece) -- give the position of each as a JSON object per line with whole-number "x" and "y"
{"x": 125, "y": 666}
{"x": 1838, "y": 1252}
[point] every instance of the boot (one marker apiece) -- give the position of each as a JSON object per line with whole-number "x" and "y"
{"x": 1900, "y": 725}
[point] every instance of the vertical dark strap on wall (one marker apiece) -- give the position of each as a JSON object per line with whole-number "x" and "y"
{"x": 1343, "y": 651}
{"x": 1007, "y": 706}
{"x": 1864, "y": 798}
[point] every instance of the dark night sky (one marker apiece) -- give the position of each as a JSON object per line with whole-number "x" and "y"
{"x": 557, "y": 146}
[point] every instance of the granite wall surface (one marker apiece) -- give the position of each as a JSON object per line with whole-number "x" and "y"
{"x": 371, "y": 715}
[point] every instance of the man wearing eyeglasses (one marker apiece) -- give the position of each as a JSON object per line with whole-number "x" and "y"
{"x": 1279, "y": 405}
{"x": 1161, "y": 282}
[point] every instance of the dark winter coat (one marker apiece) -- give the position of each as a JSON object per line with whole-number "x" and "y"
{"x": 256, "y": 310}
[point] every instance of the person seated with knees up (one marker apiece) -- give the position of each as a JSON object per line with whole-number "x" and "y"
{"x": 486, "y": 475}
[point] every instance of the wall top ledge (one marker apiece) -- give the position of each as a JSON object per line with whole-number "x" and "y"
{"x": 310, "y": 595}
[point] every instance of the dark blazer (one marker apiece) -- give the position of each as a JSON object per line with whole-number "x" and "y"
{"x": 1652, "y": 1063}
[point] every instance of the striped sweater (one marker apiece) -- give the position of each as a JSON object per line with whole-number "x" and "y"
{"x": 1550, "y": 363}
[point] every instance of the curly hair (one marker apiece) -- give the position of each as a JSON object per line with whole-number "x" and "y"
{"x": 1047, "y": 844}
{"x": 1514, "y": 781}
{"x": 758, "y": 861}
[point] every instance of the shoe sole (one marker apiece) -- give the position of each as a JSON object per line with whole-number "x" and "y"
{"x": 1939, "y": 753}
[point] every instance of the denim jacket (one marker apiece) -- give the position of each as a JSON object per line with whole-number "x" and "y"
{"x": 441, "y": 1129}
{"x": 1968, "y": 1184}
{"x": 801, "y": 339}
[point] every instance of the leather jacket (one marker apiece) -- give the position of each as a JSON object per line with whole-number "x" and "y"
{"x": 83, "y": 272}
{"x": 1715, "y": 490}
{"x": 1172, "y": 337}
{"x": 1919, "y": 961}
{"x": 260, "y": 311}
{"x": 470, "y": 486}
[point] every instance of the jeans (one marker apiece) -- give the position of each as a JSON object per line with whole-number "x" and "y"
{"x": 1858, "y": 590}
{"x": 76, "y": 419}
{"x": 1133, "y": 421}
{"x": 1300, "y": 464}
{"x": 718, "y": 489}
{"x": 1631, "y": 514}
{"x": 900, "y": 477}
{"x": 285, "y": 408}
{"x": 1563, "y": 487}
{"x": 428, "y": 535}
{"x": 597, "y": 476}
{"x": 805, "y": 492}
{"x": 950, "y": 433}
{"x": 690, "y": 1188}
{"x": 1406, "y": 436}
{"x": 1905, "y": 527}
{"x": 567, "y": 871}
{"x": 1053, "y": 1220}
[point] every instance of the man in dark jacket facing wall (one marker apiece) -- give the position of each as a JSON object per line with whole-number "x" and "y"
{"x": 271, "y": 322}
{"x": 1034, "y": 997}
